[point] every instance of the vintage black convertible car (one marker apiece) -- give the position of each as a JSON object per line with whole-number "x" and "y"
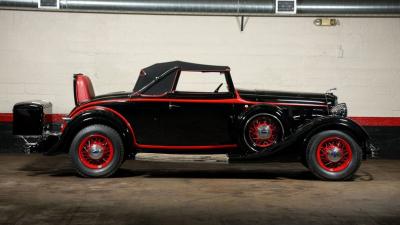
{"x": 179, "y": 107}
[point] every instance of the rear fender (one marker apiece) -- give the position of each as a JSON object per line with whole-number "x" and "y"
{"x": 90, "y": 117}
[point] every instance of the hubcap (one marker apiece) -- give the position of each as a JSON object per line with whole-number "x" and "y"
{"x": 96, "y": 151}
{"x": 262, "y": 131}
{"x": 334, "y": 154}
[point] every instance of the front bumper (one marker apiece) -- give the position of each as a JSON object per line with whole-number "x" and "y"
{"x": 372, "y": 151}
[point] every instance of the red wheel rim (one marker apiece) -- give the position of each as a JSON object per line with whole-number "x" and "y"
{"x": 334, "y": 154}
{"x": 96, "y": 151}
{"x": 263, "y": 131}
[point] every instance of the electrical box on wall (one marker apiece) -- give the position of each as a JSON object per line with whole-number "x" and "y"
{"x": 285, "y": 6}
{"x": 326, "y": 22}
{"x": 49, "y": 4}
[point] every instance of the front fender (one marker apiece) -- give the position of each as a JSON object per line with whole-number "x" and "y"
{"x": 333, "y": 123}
{"x": 347, "y": 125}
{"x": 300, "y": 137}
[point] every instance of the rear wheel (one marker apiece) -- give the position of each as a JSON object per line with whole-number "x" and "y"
{"x": 97, "y": 151}
{"x": 333, "y": 155}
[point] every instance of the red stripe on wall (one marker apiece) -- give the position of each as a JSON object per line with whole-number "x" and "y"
{"x": 6, "y": 117}
{"x": 57, "y": 118}
{"x": 363, "y": 121}
{"x": 377, "y": 121}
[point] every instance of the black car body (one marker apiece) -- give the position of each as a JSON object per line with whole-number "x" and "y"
{"x": 244, "y": 124}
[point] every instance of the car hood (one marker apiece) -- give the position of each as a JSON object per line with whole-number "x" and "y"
{"x": 287, "y": 97}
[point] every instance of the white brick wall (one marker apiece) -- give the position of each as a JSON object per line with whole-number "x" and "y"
{"x": 40, "y": 51}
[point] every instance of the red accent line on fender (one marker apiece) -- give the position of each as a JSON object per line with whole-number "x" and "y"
{"x": 180, "y": 147}
{"x": 377, "y": 121}
{"x": 72, "y": 115}
{"x": 95, "y": 103}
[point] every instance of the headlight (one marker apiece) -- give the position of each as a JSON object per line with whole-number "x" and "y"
{"x": 339, "y": 110}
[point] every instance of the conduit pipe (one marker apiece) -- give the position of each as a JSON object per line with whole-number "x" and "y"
{"x": 218, "y": 7}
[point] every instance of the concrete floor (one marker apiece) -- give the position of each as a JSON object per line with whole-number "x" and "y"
{"x": 35, "y": 189}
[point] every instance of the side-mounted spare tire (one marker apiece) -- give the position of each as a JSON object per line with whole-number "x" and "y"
{"x": 260, "y": 131}
{"x": 333, "y": 155}
{"x": 97, "y": 151}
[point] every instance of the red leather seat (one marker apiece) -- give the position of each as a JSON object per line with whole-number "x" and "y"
{"x": 83, "y": 89}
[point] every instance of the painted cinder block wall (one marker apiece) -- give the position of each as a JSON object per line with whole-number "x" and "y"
{"x": 39, "y": 52}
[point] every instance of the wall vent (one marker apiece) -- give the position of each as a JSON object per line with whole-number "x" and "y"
{"x": 49, "y": 4}
{"x": 285, "y": 6}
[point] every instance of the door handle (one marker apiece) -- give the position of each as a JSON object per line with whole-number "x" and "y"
{"x": 171, "y": 106}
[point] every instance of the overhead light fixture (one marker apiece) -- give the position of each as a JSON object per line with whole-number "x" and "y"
{"x": 326, "y": 22}
{"x": 49, "y": 4}
{"x": 285, "y": 6}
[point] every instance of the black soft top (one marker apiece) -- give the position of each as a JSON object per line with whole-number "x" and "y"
{"x": 164, "y": 75}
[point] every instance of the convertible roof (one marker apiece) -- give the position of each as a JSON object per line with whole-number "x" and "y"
{"x": 166, "y": 70}
{"x": 159, "y": 68}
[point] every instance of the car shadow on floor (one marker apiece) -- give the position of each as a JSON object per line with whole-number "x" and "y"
{"x": 150, "y": 169}
{"x": 232, "y": 174}
{"x": 217, "y": 174}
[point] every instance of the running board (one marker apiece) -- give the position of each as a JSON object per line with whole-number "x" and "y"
{"x": 198, "y": 158}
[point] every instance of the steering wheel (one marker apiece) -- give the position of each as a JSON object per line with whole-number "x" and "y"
{"x": 217, "y": 89}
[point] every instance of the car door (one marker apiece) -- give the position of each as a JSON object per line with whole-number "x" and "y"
{"x": 197, "y": 124}
{"x": 196, "y": 115}
{"x": 145, "y": 118}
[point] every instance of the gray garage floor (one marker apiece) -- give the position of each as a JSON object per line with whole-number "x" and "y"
{"x": 45, "y": 190}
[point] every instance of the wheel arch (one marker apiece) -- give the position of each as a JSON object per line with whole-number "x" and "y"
{"x": 97, "y": 115}
{"x": 275, "y": 111}
{"x": 334, "y": 123}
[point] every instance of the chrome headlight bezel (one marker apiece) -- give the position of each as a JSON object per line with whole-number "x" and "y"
{"x": 339, "y": 110}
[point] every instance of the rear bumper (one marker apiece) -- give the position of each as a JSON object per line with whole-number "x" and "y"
{"x": 40, "y": 144}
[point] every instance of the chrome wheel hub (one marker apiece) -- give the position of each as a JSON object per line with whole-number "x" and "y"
{"x": 334, "y": 154}
{"x": 264, "y": 132}
{"x": 96, "y": 151}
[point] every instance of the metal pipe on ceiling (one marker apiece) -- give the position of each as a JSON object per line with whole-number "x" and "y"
{"x": 218, "y": 7}
{"x": 190, "y": 7}
{"x": 351, "y": 7}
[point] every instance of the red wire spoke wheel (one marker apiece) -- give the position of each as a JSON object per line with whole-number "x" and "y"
{"x": 96, "y": 151}
{"x": 334, "y": 154}
{"x": 262, "y": 131}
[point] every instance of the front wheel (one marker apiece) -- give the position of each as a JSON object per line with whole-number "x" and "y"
{"x": 97, "y": 151}
{"x": 333, "y": 155}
